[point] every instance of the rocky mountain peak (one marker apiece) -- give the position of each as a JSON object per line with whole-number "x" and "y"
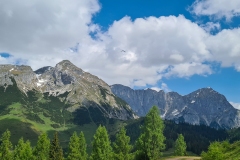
{"x": 66, "y": 65}
{"x": 78, "y": 87}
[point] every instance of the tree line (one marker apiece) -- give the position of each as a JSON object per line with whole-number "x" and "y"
{"x": 148, "y": 146}
{"x": 197, "y": 137}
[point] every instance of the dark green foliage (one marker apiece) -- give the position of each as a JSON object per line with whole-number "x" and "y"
{"x": 41, "y": 151}
{"x": 34, "y": 117}
{"x": 197, "y": 137}
{"x": 234, "y": 135}
{"x": 121, "y": 147}
{"x": 180, "y": 146}
{"x": 91, "y": 114}
{"x": 101, "y": 149}
{"x": 11, "y": 94}
{"x": 23, "y": 150}
{"x": 56, "y": 109}
{"x": 55, "y": 152}
{"x": 18, "y": 129}
{"x": 133, "y": 129}
{"x": 151, "y": 141}
{"x": 82, "y": 116}
{"x": 5, "y": 146}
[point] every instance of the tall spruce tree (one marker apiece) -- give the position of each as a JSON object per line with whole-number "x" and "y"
{"x": 55, "y": 152}
{"x": 180, "y": 146}
{"x": 5, "y": 146}
{"x": 41, "y": 151}
{"x": 83, "y": 147}
{"x": 121, "y": 146}
{"x": 77, "y": 147}
{"x": 23, "y": 151}
{"x": 151, "y": 141}
{"x": 102, "y": 149}
{"x": 74, "y": 148}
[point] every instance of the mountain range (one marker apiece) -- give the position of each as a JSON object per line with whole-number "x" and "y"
{"x": 64, "y": 96}
{"x": 204, "y": 106}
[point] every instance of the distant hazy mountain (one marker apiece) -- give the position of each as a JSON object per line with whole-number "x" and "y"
{"x": 204, "y": 106}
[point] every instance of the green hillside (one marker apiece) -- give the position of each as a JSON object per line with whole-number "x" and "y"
{"x": 28, "y": 115}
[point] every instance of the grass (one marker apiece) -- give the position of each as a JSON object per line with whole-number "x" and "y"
{"x": 183, "y": 158}
{"x": 16, "y": 109}
{"x": 169, "y": 154}
{"x": 18, "y": 129}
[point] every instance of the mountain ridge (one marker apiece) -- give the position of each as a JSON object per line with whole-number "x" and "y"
{"x": 58, "y": 96}
{"x": 203, "y": 106}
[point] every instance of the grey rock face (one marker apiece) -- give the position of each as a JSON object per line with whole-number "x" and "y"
{"x": 83, "y": 88}
{"x": 204, "y": 106}
{"x": 23, "y": 75}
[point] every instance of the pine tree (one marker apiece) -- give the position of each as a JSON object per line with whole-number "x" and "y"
{"x": 121, "y": 146}
{"x": 180, "y": 146}
{"x": 83, "y": 147}
{"x": 77, "y": 147}
{"x": 23, "y": 151}
{"x": 55, "y": 152}
{"x": 74, "y": 148}
{"x": 5, "y": 146}
{"x": 101, "y": 145}
{"x": 151, "y": 141}
{"x": 41, "y": 151}
{"x": 28, "y": 151}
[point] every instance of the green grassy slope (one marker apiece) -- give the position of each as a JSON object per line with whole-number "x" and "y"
{"x": 28, "y": 115}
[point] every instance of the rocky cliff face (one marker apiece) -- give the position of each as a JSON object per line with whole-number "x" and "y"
{"x": 23, "y": 75}
{"x": 68, "y": 83}
{"x": 204, "y": 106}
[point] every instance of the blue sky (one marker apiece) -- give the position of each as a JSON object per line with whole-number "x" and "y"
{"x": 224, "y": 80}
{"x": 171, "y": 45}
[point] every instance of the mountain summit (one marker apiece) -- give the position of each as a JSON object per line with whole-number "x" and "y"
{"x": 58, "y": 96}
{"x": 204, "y": 106}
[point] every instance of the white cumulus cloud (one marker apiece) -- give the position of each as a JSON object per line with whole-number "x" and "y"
{"x": 135, "y": 52}
{"x": 217, "y": 8}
